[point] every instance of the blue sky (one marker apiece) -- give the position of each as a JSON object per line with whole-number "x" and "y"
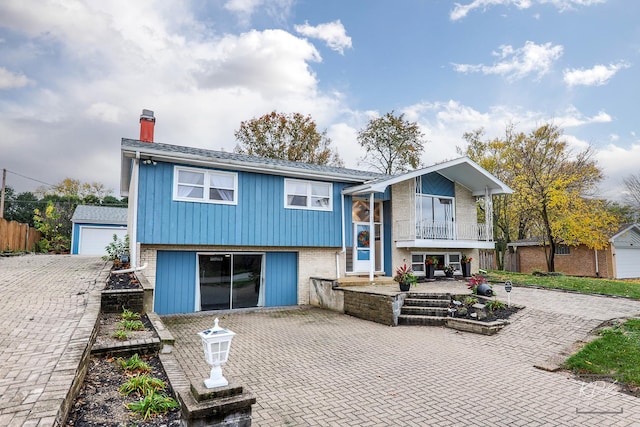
{"x": 75, "y": 75}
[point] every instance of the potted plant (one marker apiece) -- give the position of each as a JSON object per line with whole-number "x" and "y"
{"x": 430, "y": 267}
{"x": 448, "y": 270}
{"x": 479, "y": 286}
{"x": 405, "y": 277}
{"x": 465, "y": 265}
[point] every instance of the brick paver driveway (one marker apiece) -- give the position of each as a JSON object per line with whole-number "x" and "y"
{"x": 49, "y": 305}
{"x": 314, "y": 367}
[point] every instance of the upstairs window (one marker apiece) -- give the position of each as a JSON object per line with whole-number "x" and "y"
{"x": 308, "y": 195}
{"x": 208, "y": 186}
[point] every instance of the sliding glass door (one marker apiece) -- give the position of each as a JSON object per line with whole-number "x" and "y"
{"x": 230, "y": 281}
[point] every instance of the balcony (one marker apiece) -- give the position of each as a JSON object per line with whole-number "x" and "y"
{"x": 442, "y": 234}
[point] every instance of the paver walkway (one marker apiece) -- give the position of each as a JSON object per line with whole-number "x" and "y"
{"x": 314, "y": 367}
{"x": 49, "y": 305}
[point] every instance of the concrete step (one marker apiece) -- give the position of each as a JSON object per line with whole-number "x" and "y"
{"x": 405, "y": 319}
{"x": 425, "y": 311}
{"x": 423, "y": 302}
{"x": 429, "y": 295}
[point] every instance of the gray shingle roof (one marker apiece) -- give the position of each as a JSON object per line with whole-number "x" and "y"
{"x": 211, "y": 155}
{"x": 99, "y": 214}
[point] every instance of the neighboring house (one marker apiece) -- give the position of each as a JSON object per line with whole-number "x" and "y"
{"x": 221, "y": 230}
{"x": 619, "y": 260}
{"x": 94, "y": 227}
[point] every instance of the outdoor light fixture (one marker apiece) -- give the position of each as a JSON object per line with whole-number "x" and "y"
{"x": 216, "y": 343}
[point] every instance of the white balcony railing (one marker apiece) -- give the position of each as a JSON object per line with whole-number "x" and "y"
{"x": 441, "y": 230}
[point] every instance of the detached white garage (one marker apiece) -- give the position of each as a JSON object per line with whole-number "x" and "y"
{"x": 625, "y": 246}
{"x": 94, "y": 227}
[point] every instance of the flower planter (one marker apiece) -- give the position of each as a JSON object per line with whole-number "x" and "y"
{"x": 430, "y": 270}
{"x": 466, "y": 269}
{"x": 404, "y": 287}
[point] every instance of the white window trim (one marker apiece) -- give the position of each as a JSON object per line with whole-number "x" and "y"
{"x": 206, "y": 186}
{"x": 309, "y": 186}
{"x": 447, "y": 254}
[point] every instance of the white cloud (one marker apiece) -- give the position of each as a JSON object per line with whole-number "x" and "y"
{"x": 462, "y": 10}
{"x": 597, "y": 76}
{"x": 517, "y": 63}
{"x": 10, "y": 80}
{"x": 272, "y": 62}
{"x": 618, "y": 162}
{"x": 200, "y": 85}
{"x": 332, "y": 33}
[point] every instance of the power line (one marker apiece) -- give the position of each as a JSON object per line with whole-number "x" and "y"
{"x": 32, "y": 179}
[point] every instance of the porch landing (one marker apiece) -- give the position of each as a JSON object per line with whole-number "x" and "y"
{"x": 386, "y": 286}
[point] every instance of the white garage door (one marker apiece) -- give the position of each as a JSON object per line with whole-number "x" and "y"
{"x": 93, "y": 240}
{"x": 627, "y": 265}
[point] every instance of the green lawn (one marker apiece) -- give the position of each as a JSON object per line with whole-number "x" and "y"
{"x": 616, "y": 354}
{"x": 626, "y": 288}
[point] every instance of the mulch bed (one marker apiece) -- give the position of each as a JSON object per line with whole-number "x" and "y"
{"x": 122, "y": 281}
{"x": 99, "y": 402}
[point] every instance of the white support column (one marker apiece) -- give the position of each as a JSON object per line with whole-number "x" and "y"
{"x": 372, "y": 237}
{"x": 488, "y": 215}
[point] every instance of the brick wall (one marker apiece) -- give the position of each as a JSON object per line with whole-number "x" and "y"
{"x": 580, "y": 261}
{"x": 465, "y": 206}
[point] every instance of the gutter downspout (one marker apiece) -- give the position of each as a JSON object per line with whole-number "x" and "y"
{"x": 595, "y": 251}
{"x": 133, "y": 201}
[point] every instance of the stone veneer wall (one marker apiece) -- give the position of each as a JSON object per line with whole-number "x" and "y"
{"x": 312, "y": 262}
{"x": 377, "y": 308}
{"x": 402, "y": 208}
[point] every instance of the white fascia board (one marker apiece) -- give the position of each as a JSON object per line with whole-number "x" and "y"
{"x": 245, "y": 167}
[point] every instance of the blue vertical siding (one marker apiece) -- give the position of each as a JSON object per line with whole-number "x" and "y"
{"x": 281, "y": 279}
{"x": 437, "y": 185}
{"x": 259, "y": 218}
{"x": 386, "y": 224}
{"x": 175, "y": 282}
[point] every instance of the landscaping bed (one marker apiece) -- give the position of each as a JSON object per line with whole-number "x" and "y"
{"x": 101, "y": 403}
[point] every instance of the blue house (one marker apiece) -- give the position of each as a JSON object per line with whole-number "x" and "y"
{"x": 221, "y": 230}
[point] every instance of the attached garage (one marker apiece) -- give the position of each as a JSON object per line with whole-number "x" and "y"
{"x": 94, "y": 227}
{"x": 626, "y": 252}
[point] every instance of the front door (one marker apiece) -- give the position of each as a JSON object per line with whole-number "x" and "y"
{"x": 362, "y": 246}
{"x": 230, "y": 281}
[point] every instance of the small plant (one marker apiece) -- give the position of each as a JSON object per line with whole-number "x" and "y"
{"x": 469, "y": 301}
{"x": 133, "y": 364}
{"x": 449, "y": 269}
{"x": 117, "y": 248}
{"x": 129, "y": 315}
{"x": 152, "y": 404}
{"x": 494, "y": 305}
{"x": 120, "y": 335}
{"x": 142, "y": 384}
{"x": 132, "y": 325}
{"x": 431, "y": 260}
{"x": 465, "y": 260}
{"x": 404, "y": 274}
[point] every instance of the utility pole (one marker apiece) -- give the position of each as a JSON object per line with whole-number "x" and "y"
{"x": 4, "y": 182}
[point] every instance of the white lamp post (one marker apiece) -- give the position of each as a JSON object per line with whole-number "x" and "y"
{"x": 216, "y": 342}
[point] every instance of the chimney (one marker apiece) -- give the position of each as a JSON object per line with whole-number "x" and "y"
{"x": 147, "y": 123}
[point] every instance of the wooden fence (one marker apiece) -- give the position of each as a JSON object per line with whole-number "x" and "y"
{"x": 16, "y": 237}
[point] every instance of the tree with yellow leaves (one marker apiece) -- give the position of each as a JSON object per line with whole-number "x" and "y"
{"x": 553, "y": 190}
